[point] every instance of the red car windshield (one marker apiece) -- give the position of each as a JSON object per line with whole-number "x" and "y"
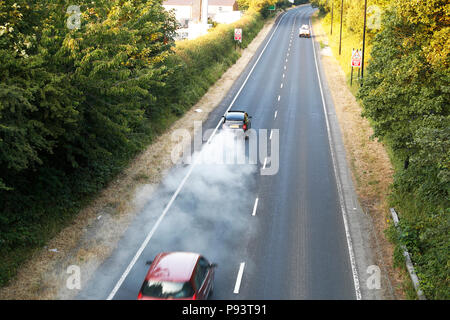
{"x": 167, "y": 289}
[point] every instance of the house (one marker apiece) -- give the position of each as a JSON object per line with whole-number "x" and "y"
{"x": 184, "y": 10}
{"x": 190, "y": 10}
{"x": 193, "y": 17}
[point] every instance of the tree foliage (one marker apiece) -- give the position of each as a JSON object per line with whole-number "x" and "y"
{"x": 406, "y": 95}
{"x": 76, "y": 93}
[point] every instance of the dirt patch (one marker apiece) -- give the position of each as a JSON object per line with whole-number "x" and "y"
{"x": 95, "y": 232}
{"x": 372, "y": 172}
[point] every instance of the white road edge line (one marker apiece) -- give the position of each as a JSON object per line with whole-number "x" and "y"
{"x": 239, "y": 278}
{"x": 338, "y": 183}
{"x": 271, "y": 131}
{"x": 255, "y": 206}
{"x": 152, "y": 231}
{"x": 265, "y": 161}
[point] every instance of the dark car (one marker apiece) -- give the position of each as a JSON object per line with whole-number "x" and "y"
{"x": 178, "y": 275}
{"x": 236, "y": 120}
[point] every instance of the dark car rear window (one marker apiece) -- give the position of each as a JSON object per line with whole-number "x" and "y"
{"x": 167, "y": 289}
{"x": 235, "y": 116}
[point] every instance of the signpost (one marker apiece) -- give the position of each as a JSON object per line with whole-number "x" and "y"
{"x": 237, "y": 37}
{"x": 356, "y": 62}
{"x": 356, "y": 58}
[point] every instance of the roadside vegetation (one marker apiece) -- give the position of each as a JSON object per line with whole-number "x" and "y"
{"x": 77, "y": 104}
{"x": 405, "y": 96}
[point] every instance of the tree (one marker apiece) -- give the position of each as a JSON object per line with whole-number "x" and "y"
{"x": 406, "y": 95}
{"x": 401, "y": 87}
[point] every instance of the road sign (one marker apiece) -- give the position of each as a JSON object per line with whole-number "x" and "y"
{"x": 273, "y": 7}
{"x": 356, "y": 58}
{"x": 238, "y": 34}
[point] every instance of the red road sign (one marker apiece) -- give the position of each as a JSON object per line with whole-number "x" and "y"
{"x": 356, "y": 58}
{"x": 238, "y": 35}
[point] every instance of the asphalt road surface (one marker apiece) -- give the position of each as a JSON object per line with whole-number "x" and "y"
{"x": 291, "y": 242}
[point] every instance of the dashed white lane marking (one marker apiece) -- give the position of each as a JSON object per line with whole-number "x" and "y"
{"x": 265, "y": 162}
{"x": 239, "y": 278}
{"x": 275, "y": 115}
{"x": 286, "y": 60}
{"x": 279, "y": 97}
{"x": 284, "y": 67}
{"x": 281, "y": 86}
{"x": 283, "y": 75}
{"x": 271, "y": 131}
{"x": 255, "y": 206}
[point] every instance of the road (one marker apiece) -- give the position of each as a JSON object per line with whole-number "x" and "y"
{"x": 292, "y": 243}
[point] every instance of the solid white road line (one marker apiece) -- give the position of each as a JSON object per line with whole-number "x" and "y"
{"x": 166, "y": 209}
{"x": 255, "y": 206}
{"x": 338, "y": 183}
{"x": 239, "y": 278}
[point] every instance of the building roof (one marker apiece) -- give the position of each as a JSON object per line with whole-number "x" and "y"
{"x": 177, "y": 2}
{"x": 224, "y": 3}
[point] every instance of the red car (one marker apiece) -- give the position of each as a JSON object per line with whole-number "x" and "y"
{"x": 178, "y": 275}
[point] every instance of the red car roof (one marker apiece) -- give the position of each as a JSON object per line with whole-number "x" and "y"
{"x": 173, "y": 266}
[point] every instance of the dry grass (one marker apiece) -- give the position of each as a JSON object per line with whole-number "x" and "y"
{"x": 94, "y": 233}
{"x": 371, "y": 168}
